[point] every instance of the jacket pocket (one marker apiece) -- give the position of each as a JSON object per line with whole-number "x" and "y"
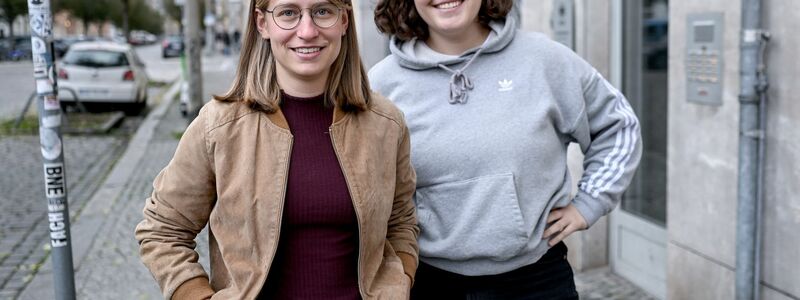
{"x": 391, "y": 282}
{"x": 474, "y": 218}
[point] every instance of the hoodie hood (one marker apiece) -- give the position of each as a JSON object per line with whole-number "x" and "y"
{"x": 460, "y": 84}
{"x": 503, "y": 34}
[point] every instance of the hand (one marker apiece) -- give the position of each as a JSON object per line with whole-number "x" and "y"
{"x": 563, "y": 221}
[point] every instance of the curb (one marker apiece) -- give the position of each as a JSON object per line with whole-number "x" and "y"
{"x": 94, "y": 213}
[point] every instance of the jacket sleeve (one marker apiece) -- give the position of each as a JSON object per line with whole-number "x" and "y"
{"x": 178, "y": 209}
{"x": 608, "y": 133}
{"x": 403, "y": 230}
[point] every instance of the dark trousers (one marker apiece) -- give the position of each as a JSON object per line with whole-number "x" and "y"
{"x": 549, "y": 278}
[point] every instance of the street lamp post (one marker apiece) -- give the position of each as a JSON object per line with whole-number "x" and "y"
{"x": 210, "y": 21}
{"x": 52, "y": 146}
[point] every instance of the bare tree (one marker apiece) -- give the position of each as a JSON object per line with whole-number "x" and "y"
{"x": 11, "y": 9}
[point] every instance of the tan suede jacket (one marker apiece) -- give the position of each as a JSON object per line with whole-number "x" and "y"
{"x": 229, "y": 171}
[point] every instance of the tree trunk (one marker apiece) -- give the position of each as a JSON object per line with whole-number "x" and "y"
{"x": 125, "y": 20}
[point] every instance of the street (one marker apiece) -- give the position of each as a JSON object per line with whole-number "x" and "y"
{"x": 16, "y": 84}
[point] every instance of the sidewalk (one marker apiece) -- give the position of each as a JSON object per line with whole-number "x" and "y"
{"x": 104, "y": 251}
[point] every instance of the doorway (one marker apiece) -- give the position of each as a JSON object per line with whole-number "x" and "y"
{"x": 638, "y": 235}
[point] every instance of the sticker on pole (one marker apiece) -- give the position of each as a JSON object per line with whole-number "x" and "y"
{"x": 55, "y": 190}
{"x": 41, "y": 23}
{"x": 51, "y": 102}
{"x": 54, "y": 184}
{"x": 51, "y": 121}
{"x": 39, "y": 66}
{"x": 44, "y": 86}
{"x": 38, "y": 7}
{"x": 51, "y": 143}
{"x": 38, "y": 45}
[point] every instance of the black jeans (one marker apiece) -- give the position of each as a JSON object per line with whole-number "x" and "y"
{"x": 549, "y": 278}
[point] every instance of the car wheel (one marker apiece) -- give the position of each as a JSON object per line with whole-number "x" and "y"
{"x": 136, "y": 108}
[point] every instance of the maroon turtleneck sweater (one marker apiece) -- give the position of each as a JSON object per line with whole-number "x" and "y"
{"x": 317, "y": 254}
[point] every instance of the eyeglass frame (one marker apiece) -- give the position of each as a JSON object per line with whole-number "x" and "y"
{"x": 300, "y": 19}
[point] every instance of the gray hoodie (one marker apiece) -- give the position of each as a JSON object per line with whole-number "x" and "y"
{"x": 489, "y": 136}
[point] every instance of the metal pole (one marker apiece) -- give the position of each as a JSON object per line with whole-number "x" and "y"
{"x": 210, "y": 21}
{"x": 44, "y": 73}
{"x": 194, "y": 59}
{"x": 749, "y": 135}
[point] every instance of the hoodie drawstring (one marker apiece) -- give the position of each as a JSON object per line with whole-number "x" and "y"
{"x": 460, "y": 83}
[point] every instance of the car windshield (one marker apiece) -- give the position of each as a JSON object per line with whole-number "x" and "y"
{"x": 96, "y": 58}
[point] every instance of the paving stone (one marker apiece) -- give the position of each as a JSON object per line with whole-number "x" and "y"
{"x": 22, "y": 204}
{"x": 602, "y": 284}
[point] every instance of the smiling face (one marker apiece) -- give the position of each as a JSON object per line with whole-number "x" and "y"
{"x": 450, "y": 18}
{"x": 303, "y": 54}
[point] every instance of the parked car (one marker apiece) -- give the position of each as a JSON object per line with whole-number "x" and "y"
{"x": 139, "y": 37}
{"x": 5, "y": 47}
{"x": 103, "y": 72}
{"x": 61, "y": 45}
{"x": 172, "y": 46}
{"x": 17, "y": 48}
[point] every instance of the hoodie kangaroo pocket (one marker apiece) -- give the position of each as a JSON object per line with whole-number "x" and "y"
{"x": 474, "y": 218}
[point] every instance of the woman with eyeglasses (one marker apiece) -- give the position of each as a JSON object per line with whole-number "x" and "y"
{"x": 491, "y": 111}
{"x": 301, "y": 173}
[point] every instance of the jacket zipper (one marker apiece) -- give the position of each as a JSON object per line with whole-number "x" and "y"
{"x": 280, "y": 219}
{"x": 355, "y": 208}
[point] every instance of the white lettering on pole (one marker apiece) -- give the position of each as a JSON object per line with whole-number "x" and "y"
{"x": 55, "y": 207}
{"x": 58, "y": 232}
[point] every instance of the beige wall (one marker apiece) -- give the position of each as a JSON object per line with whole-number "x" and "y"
{"x": 373, "y": 45}
{"x": 703, "y": 163}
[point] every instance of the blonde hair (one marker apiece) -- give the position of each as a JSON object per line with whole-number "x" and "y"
{"x": 256, "y": 83}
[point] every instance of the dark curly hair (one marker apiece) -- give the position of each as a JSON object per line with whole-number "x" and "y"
{"x": 401, "y": 19}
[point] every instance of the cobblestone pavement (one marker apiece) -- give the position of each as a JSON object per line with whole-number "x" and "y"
{"x": 602, "y": 284}
{"x": 114, "y": 270}
{"x": 23, "y": 223}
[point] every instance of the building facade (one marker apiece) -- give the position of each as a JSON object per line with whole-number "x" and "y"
{"x": 677, "y": 61}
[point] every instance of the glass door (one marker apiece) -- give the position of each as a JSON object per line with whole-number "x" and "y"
{"x": 638, "y": 229}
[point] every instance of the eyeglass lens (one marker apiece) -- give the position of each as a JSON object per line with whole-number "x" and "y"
{"x": 288, "y": 16}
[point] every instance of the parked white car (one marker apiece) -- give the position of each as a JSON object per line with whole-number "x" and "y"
{"x": 103, "y": 72}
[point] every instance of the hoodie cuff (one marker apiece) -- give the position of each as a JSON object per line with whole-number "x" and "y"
{"x": 194, "y": 289}
{"x": 590, "y": 208}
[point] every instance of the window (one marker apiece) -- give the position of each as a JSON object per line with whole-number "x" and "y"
{"x": 96, "y": 58}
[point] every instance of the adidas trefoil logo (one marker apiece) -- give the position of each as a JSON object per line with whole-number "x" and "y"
{"x": 505, "y": 85}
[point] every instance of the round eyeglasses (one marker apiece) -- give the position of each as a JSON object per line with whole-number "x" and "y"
{"x": 288, "y": 16}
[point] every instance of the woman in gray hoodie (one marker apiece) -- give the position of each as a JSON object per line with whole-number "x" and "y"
{"x": 491, "y": 111}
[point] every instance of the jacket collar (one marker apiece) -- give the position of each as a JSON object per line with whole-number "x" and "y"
{"x": 279, "y": 119}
